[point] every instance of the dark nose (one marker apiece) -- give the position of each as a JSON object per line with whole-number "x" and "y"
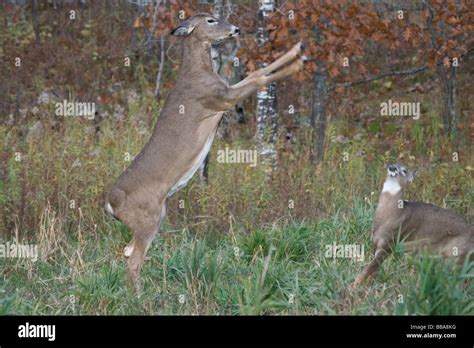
{"x": 237, "y": 31}
{"x": 391, "y": 167}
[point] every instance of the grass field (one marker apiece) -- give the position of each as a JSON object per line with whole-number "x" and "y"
{"x": 241, "y": 245}
{"x": 235, "y": 275}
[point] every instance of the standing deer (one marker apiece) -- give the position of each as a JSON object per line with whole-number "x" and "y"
{"x": 421, "y": 224}
{"x": 184, "y": 132}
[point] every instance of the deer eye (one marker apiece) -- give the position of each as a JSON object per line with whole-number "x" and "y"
{"x": 211, "y": 21}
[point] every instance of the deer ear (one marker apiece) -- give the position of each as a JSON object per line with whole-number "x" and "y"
{"x": 184, "y": 29}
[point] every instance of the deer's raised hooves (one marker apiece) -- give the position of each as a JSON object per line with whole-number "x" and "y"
{"x": 297, "y": 48}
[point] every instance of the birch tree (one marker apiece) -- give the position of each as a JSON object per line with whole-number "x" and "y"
{"x": 267, "y": 123}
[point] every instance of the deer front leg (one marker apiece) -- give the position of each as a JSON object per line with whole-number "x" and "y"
{"x": 372, "y": 268}
{"x": 239, "y": 92}
{"x": 289, "y": 56}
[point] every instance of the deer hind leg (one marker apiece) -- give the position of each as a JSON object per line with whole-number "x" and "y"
{"x": 138, "y": 247}
{"x": 135, "y": 263}
{"x": 127, "y": 251}
{"x": 372, "y": 268}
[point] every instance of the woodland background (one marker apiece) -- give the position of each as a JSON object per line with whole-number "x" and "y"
{"x": 237, "y": 239}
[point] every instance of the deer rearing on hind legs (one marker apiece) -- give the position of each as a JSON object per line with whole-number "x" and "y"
{"x": 184, "y": 132}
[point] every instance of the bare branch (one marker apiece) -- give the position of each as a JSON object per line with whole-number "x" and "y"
{"x": 410, "y": 71}
{"x": 375, "y": 78}
{"x": 162, "y": 63}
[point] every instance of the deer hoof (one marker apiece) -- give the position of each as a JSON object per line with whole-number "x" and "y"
{"x": 357, "y": 282}
{"x": 296, "y": 50}
{"x": 127, "y": 251}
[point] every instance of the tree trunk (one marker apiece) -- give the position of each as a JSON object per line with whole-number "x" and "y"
{"x": 318, "y": 113}
{"x": 267, "y": 121}
{"x": 34, "y": 16}
{"x": 447, "y": 77}
{"x": 318, "y": 106}
{"x": 450, "y": 120}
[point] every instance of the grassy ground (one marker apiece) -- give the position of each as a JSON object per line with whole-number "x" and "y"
{"x": 242, "y": 244}
{"x": 280, "y": 270}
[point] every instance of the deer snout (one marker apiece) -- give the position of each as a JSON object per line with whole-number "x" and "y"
{"x": 235, "y": 31}
{"x": 391, "y": 168}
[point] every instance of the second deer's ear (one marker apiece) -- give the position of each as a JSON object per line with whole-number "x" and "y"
{"x": 184, "y": 29}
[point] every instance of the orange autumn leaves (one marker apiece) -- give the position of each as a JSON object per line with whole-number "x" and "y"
{"x": 339, "y": 32}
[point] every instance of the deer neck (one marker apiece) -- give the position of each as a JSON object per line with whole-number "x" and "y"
{"x": 390, "y": 198}
{"x": 196, "y": 57}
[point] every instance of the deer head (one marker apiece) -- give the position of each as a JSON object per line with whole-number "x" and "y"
{"x": 206, "y": 28}
{"x": 400, "y": 174}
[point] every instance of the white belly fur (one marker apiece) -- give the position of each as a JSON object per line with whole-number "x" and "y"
{"x": 198, "y": 162}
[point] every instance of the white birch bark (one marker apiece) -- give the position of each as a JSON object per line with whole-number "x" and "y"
{"x": 267, "y": 125}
